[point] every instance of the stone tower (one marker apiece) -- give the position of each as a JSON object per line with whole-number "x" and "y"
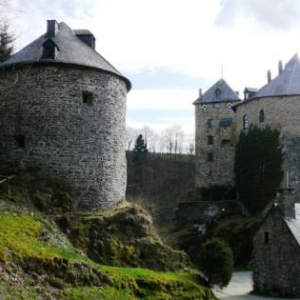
{"x": 215, "y": 135}
{"x": 63, "y": 108}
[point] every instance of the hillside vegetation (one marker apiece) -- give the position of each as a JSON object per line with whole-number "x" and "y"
{"x": 39, "y": 261}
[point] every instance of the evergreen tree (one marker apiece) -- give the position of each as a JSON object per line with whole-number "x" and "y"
{"x": 216, "y": 262}
{"x": 257, "y": 168}
{"x": 140, "y": 146}
{"x": 140, "y": 150}
{"x": 6, "y": 40}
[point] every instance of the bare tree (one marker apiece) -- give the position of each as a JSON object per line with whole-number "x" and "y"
{"x": 131, "y": 135}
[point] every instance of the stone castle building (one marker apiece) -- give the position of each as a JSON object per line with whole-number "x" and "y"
{"x": 277, "y": 104}
{"x": 221, "y": 116}
{"x": 63, "y": 108}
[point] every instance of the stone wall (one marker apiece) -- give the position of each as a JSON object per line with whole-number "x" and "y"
{"x": 281, "y": 113}
{"x": 220, "y": 169}
{"x": 70, "y": 120}
{"x": 276, "y": 269}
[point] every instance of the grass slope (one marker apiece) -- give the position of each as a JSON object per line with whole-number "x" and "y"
{"x": 37, "y": 261}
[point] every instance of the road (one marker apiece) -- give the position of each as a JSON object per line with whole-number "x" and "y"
{"x": 239, "y": 288}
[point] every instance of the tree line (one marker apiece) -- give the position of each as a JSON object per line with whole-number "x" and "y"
{"x": 170, "y": 140}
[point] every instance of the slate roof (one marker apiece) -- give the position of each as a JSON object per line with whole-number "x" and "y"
{"x": 294, "y": 226}
{"x": 219, "y": 92}
{"x": 285, "y": 84}
{"x": 71, "y": 51}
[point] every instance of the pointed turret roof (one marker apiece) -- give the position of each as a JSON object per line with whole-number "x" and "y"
{"x": 219, "y": 92}
{"x": 72, "y": 51}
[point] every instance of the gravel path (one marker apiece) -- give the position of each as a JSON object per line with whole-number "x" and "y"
{"x": 239, "y": 288}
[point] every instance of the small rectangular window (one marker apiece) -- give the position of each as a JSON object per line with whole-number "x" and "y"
{"x": 210, "y": 157}
{"x": 87, "y": 97}
{"x": 210, "y": 140}
{"x": 225, "y": 122}
{"x": 225, "y": 143}
{"x": 217, "y": 105}
{"x": 20, "y": 139}
{"x": 266, "y": 237}
{"x": 211, "y": 123}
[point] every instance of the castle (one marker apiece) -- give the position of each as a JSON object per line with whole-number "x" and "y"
{"x": 220, "y": 117}
{"x": 63, "y": 108}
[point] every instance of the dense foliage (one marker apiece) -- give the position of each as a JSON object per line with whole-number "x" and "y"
{"x": 216, "y": 262}
{"x": 6, "y": 40}
{"x": 257, "y": 167}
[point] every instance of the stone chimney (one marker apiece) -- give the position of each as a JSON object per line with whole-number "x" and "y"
{"x": 280, "y": 68}
{"x": 52, "y": 28}
{"x": 269, "y": 76}
{"x": 200, "y": 93}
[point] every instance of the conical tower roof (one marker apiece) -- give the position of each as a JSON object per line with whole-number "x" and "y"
{"x": 71, "y": 50}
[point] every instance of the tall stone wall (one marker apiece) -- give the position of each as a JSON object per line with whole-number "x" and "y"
{"x": 70, "y": 120}
{"x": 276, "y": 269}
{"x": 281, "y": 113}
{"x": 220, "y": 169}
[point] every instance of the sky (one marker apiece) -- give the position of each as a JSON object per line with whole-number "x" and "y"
{"x": 169, "y": 49}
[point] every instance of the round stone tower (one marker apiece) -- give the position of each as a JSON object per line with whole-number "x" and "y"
{"x": 63, "y": 107}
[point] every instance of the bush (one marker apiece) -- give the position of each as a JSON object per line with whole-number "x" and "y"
{"x": 216, "y": 262}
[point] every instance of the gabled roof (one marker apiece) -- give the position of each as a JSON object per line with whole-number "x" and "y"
{"x": 71, "y": 51}
{"x": 292, "y": 223}
{"x": 219, "y": 92}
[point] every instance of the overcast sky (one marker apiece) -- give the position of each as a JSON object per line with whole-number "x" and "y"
{"x": 171, "y": 48}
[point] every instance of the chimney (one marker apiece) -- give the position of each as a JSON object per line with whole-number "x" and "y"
{"x": 200, "y": 93}
{"x": 269, "y": 76}
{"x": 52, "y": 28}
{"x": 280, "y": 68}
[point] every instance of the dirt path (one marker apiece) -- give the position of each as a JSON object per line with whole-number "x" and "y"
{"x": 239, "y": 288}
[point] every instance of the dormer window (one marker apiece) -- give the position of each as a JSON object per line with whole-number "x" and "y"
{"x": 50, "y": 50}
{"x": 218, "y": 92}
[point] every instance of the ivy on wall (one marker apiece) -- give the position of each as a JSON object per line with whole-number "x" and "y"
{"x": 257, "y": 167}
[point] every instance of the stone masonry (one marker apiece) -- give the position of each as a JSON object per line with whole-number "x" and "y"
{"x": 66, "y": 117}
{"x": 276, "y": 252}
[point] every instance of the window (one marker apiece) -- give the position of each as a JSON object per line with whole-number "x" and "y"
{"x": 20, "y": 139}
{"x": 261, "y": 116}
{"x": 225, "y": 143}
{"x": 225, "y": 122}
{"x": 217, "y": 105}
{"x": 245, "y": 122}
{"x": 210, "y": 140}
{"x": 87, "y": 97}
{"x": 49, "y": 50}
{"x": 266, "y": 237}
{"x": 211, "y": 123}
{"x": 210, "y": 157}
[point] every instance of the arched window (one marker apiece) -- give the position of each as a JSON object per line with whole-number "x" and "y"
{"x": 245, "y": 122}
{"x": 261, "y": 116}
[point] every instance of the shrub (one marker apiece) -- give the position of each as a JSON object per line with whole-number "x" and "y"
{"x": 216, "y": 262}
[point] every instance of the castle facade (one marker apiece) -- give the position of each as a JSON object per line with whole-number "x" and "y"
{"x": 221, "y": 116}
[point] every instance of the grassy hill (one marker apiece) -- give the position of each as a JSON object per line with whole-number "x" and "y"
{"x": 48, "y": 251}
